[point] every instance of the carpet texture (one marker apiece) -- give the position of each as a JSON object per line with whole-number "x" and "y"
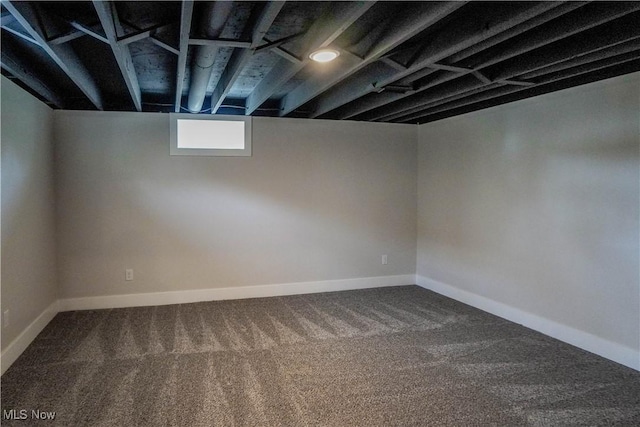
{"x": 391, "y": 356}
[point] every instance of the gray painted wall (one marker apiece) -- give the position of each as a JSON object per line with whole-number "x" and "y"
{"x": 535, "y": 204}
{"x": 28, "y": 229}
{"x": 317, "y": 201}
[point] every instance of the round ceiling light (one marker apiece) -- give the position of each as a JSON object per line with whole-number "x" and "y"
{"x": 324, "y": 55}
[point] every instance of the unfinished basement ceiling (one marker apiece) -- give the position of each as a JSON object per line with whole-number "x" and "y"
{"x": 402, "y": 62}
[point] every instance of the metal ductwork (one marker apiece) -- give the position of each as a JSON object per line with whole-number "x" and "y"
{"x": 214, "y": 19}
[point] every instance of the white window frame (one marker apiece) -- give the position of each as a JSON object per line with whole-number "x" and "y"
{"x": 179, "y": 151}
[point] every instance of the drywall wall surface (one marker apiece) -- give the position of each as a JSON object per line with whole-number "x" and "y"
{"x": 317, "y": 200}
{"x": 28, "y": 229}
{"x": 535, "y": 204}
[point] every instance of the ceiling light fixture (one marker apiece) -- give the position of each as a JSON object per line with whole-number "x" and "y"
{"x": 324, "y": 55}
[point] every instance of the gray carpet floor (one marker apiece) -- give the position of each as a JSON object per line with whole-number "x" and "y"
{"x": 391, "y": 356}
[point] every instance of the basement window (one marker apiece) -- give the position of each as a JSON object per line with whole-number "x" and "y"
{"x": 210, "y": 135}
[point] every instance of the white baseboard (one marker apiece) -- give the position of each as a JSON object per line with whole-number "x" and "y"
{"x": 198, "y": 295}
{"x": 586, "y": 341}
{"x": 618, "y": 353}
{"x": 20, "y": 344}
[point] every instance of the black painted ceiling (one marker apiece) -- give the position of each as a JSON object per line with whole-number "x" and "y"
{"x": 405, "y": 62}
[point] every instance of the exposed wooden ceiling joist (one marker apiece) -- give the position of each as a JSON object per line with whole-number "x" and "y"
{"x": 186, "y": 12}
{"x": 405, "y": 27}
{"x": 63, "y": 55}
{"x": 400, "y": 61}
{"x": 21, "y": 70}
{"x": 322, "y": 33}
{"x": 511, "y": 93}
{"x": 240, "y": 58}
{"x": 538, "y": 37}
{"x": 476, "y": 32}
{"x": 108, "y": 16}
{"x": 551, "y": 55}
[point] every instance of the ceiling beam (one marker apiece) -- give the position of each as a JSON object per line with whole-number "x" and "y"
{"x": 20, "y": 34}
{"x": 484, "y": 79}
{"x": 13, "y": 63}
{"x": 464, "y": 90}
{"x": 339, "y": 17}
{"x": 240, "y": 58}
{"x": 394, "y": 64}
{"x": 276, "y": 43}
{"x": 165, "y": 46}
{"x": 276, "y": 47}
{"x": 267, "y": 16}
{"x": 584, "y": 62}
{"x": 139, "y": 34}
{"x": 605, "y": 73}
{"x": 89, "y": 32}
{"x": 593, "y": 15}
{"x": 452, "y": 68}
{"x": 108, "y": 15}
{"x": 288, "y": 55}
{"x": 404, "y": 28}
{"x": 620, "y": 37}
{"x": 426, "y": 98}
{"x": 135, "y": 37}
{"x": 186, "y": 13}
{"x": 579, "y": 75}
{"x": 414, "y": 107}
{"x": 592, "y": 51}
{"x": 63, "y": 55}
{"x": 558, "y": 9}
{"x": 622, "y": 48}
{"x": 220, "y": 43}
{"x": 525, "y": 17}
{"x": 6, "y": 19}
{"x": 620, "y": 31}
{"x": 64, "y": 38}
{"x": 515, "y": 82}
{"x": 568, "y": 36}
{"x": 540, "y": 17}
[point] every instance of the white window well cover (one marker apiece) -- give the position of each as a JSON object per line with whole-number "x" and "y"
{"x": 210, "y": 136}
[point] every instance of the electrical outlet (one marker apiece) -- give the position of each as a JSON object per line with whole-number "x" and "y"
{"x": 5, "y": 319}
{"x": 384, "y": 260}
{"x": 128, "y": 274}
